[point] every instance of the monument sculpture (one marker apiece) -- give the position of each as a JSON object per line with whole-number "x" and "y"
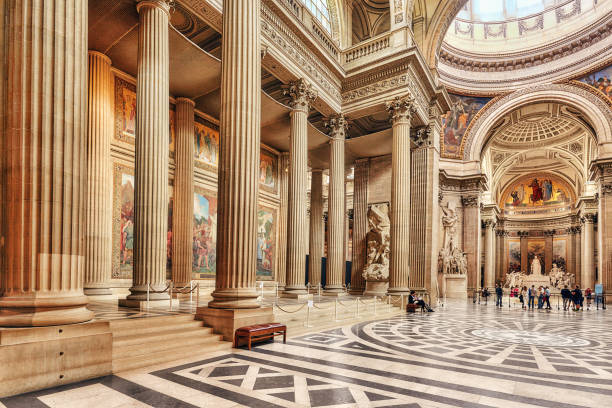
{"x": 378, "y": 240}
{"x": 559, "y": 278}
{"x": 536, "y": 267}
{"x": 452, "y": 262}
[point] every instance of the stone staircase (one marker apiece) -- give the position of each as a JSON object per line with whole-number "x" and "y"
{"x": 156, "y": 340}
{"x": 324, "y": 316}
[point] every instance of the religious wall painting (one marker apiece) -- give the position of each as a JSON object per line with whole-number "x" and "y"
{"x": 125, "y": 110}
{"x": 559, "y": 255}
{"x": 169, "y": 233}
{"x": 206, "y": 145}
{"x": 172, "y": 130}
{"x": 537, "y": 194}
{"x": 266, "y": 242}
{"x": 456, "y": 121}
{"x": 204, "y": 234}
{"x": 514, "y": 255}
{"x": 123, "y": 222}
{"x": 536, "y": 247}
{"x": 268, "y": 171}
{"x": 601, "y": 80}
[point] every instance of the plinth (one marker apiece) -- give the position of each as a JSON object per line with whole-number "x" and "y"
{"x": 376, "y": 288}
{"x": 455, "y": 286}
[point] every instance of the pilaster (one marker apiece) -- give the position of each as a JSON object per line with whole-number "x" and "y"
{"x": 360, "y": 224}
{"x": 282, "y": 223}
{"x": 316, "y": 227}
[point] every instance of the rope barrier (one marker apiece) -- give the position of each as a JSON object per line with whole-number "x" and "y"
{"x": 286, "y": 311}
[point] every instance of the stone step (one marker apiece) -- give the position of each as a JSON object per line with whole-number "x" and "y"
{"x": 179, "y": 325}
{"x": 131, "y": 363}
{"x": 164, "y": 334}
{"x": 149, "y": 321}
{"x": 196, "y": 339}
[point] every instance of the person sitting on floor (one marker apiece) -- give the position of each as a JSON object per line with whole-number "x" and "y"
{"x": 413, "y": 299}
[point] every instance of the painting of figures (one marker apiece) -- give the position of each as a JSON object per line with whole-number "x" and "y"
{"x": 601, "y": 80}
{"x": 123, "y": 242}
{"x": 206, "y": 146}
{"x": 456, "y": 121}
{"x": 169, "y": 233}
{"x": 266, "y": 242}
{"x": 542, "y": 191}
{"x": 125, "y": 110}
{"x": 204, "y": 234}
{"x": 514, "y": 256}
{"x": 560, "y": 253}
{"x": 535, "y": 247}
{"x": 268, "y": 166}
{"x": 172, "y": 130}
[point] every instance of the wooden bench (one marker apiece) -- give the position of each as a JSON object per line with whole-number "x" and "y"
{"x": 258, "y": 332}
{"x": 412, "y": 307}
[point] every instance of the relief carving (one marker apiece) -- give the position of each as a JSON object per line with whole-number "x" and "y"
{"x": 378, "y": 241}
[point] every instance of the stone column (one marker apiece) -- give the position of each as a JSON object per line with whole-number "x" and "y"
{"x": 335, "y": 250}
{"x": 317, "y": 233}
{"x": 471, "y": 239}
{"x": 401, "y": 111}
{"x": 281, "y": 276}
{"x": 239, "y": 158}
{"x": 44, "y": 164}
{"x": 548, "y": 251}
{"x": 360, "y": 224}
{"x": 424, "y": 210}
{"x": 524, "y": 258}
{"x": 151, "y": 161}
{"x": 578, "y": 252}
{"x": 489, "y": 273}
{"x": 588, "y": 254}
{"x": 498, "y": 254}
{"x": 302, "y": 96}
{"x": 182, "y": 217}
{"x": 98, "y": 236}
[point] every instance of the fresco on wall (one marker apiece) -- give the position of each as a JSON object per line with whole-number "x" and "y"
{"x": 268, "y": 171}
{"x": 536, "y": 247}
{"x": 206, "y": 146}
{"x": 172, "y": 130}
{"x": 456, "y": 121}
{"x": 123, "y": 222}
{"x": 125, "y": 110}
{"x": 601, "y": 80}
{"x": 266, "y": 242}
{"x": 169, "y": 233}
{"x": 537, "y": 194}
{"x": 514, "y": 256}
{"x": 204, "y": 234}
{"x": 560, "y": 253}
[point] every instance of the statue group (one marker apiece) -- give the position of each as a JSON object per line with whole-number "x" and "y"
{"x": 557, "y": 278}
{"x": 378, "y": 241}
{"x": 451, "y": 259}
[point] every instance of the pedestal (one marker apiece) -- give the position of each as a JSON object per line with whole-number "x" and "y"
{"x": 298, "y": 296}
{"x": 376, "y": 288}
{"x": 537, "y": 281}
{"x": 455, "y": 286}
{"x": 226, "y": 321}
{"x": 143, "y": 304}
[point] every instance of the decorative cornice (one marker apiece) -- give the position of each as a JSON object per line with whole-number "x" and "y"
{"x": 401, "y": 109}
{"x": 301, "y": 93}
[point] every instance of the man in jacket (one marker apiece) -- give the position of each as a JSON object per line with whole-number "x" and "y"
{"x": 566, "y": 295}
{"x": 500, "y": 294}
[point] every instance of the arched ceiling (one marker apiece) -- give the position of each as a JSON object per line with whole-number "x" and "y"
{"x": 369, "y": 19}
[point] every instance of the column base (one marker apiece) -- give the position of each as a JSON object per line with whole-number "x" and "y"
{"x": 298, "y": 290}
{"x": 398, "y": 291}
{"x": 29, "y": 311}
{"x": 226, "y": 321}
{"x": 139, "y": 293}
{"x": 143, "y": 304}
{"x": 240, "y": 298}
{"x": 356, "y": 291}
{"x": 298, "y": 296}
{"x": 101, "y": 291}
{"x": 333, "y": 293}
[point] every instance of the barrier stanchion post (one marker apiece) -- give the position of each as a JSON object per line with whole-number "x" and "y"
{"x": 170, "y": 291}
{"x": 198, "y": 296}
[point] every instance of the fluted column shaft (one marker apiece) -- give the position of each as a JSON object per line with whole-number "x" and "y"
{"x": 335, "y": 249}
{"x": 182, "y": 216}
{"x": 489, "y": 273}
{"x": 578, "y": 252}
{"x": 588, "y": 255}
{"x": 44, "y": 164}
{"x": 360, "y": 224}
{"x": 301, "y": 96}
{"x": 239, "y": 156}
{"x": 317, "y": 229}
{"x": 401, "y": 111}
{"x": 281, "y": 276}
{"x": 99, "y": 215}
{"x": 151, "y": 162}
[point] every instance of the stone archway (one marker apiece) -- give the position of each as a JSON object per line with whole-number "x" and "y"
{"x": 595, "y": 107}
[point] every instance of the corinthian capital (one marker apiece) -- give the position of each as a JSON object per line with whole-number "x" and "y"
{"x": 337, "y": 126}
{"x": 161, "y": 4}
{"x": 401, "y": 109}
{"x": 301, "y": 93}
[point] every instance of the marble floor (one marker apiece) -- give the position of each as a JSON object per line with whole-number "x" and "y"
{"x": 464, "y": 355}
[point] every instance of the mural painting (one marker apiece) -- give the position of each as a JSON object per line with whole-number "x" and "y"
{"x": 535, "y": 194}
{"x": 172, "y": 131}
{"x": 169, "y": 233}
{"x": 125, "y": 110}
{"x": 206, "y": 146}
{"x": 559, "y": 255}
{"x": 204, "y": 234}
{"x": 514, "y": 256}
{"x": 456, "y": 121}
{"x": 268, "y": 171}
{"x": 123, "y": 222}
{"x": 601, "y": 80}
{"x": 536, "y": 247}
{"x": 266, "y": 242}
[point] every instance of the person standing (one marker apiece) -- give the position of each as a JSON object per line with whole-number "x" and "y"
{"x": 577, "y": 297}
{"x": 499, "y": 294}
{"x": 566, "y": 296}
{"x": 522, "y": 296}
{"x": 531, "y": 294}
{"x": 547, "y": 297}
{"x": 540, "y": 297}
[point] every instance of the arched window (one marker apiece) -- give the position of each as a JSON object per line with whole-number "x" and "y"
{"x": 320, "y": 10}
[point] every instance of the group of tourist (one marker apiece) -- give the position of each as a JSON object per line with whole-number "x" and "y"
{"x": 571, "y": 297}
